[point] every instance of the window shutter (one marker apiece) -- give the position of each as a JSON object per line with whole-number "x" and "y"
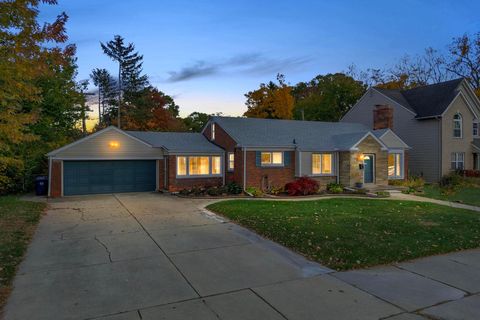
{"x": 286, "y": 158}
{"x": 258, "y": 158}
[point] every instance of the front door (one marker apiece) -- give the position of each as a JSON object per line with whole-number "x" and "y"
{"x": 368, "y": 173}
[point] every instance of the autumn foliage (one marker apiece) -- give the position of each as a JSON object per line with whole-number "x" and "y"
{"x": 302, "y": 187}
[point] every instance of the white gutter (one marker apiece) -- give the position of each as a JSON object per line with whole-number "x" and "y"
{"x": 337, "y": 167}
{"x": 299, "y": 163}
{"x": 165, "y": 172}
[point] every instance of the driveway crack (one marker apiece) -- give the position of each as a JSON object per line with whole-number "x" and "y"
{"x": 106, "y": 248}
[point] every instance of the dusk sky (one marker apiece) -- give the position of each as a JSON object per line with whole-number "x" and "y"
{"x": 208, "y": 54}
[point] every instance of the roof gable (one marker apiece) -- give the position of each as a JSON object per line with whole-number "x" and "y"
{"x": 426, "y": 101}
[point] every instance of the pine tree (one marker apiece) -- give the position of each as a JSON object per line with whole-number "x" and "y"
{"x": 130, "y": 78}
{"x": 106, "y": 83}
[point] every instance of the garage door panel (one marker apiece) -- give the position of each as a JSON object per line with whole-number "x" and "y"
{"x": 90, "y": 177}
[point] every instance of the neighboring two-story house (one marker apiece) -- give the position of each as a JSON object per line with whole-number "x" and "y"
{"x": 439, "y": 122}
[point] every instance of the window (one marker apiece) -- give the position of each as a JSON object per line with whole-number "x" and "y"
{"x": 322, "y": 163}
{"x": 457, "y": 125}
{"x": 213, "y": 131}
{"x": 458, "y": 160}
{"x": 395, "y": 165}
{"x": 231, "y": 161}
{"x": 181, "y": 166}
{"x": 199, "y": 165}
{"x": 272, "y": 158}
{"x": 475, "y": 128}
{"x": 216, "y": 165}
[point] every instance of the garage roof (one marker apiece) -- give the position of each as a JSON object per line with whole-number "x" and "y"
{"x": 187, "y": 142}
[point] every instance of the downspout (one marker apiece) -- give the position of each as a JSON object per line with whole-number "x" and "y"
{"x": 165, "y": 173}
{"x": 299, "y": 163}
{"x": 223, "y": 167}
{"x": 337, "y": 166}
{"x": 440, "y": 160}
{"x": 245, "y": 169}
{"x": 49, "y": 174}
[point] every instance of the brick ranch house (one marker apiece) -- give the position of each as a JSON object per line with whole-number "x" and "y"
{"x": 262, "y": 153}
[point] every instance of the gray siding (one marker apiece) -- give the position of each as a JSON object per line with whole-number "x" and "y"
{"x": 98, "y": 147}
{"x": 423, "y": 137}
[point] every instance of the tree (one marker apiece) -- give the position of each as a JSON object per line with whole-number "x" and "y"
{"x": 195, "y": 121}
{"x": 130, "y": 78}
{"x": 149, "y": 111}
{"x": 273, "y": 101}
{"x": 30, "y": 58}
{"x": 465, "y": 59}
{"x": 104, "y": 81}
{"x": 326, "y": 97}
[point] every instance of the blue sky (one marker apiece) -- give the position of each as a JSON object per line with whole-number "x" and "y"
{"x": 208, "y": 54}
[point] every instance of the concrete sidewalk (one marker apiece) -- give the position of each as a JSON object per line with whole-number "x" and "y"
{"x": 152, "y": 256}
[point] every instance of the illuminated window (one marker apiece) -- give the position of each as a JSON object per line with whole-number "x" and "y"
{"x": 272, "y": 158}
{"x": 322, "y": 163}
{"x": 231, "y": 161}
{"x": 181, "y": 166}
{"x": 213, "y": 131}
{"x": 457, "y": 125}
{"x": 198, "y": 166}
{"x": 395, "y": 165}
{"x": 216, "y": 165}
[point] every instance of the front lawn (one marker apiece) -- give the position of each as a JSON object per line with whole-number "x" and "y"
{"x": 17, "y": 224}
{"x": 467, "y": 195}
{"x": 352, "y": 233}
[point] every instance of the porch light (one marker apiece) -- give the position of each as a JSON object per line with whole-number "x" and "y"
{"x": 361, "y": 157}
{"x": 114, "y": 144}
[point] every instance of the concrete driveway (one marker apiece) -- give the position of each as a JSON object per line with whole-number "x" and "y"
{"x": 153, "y": 256}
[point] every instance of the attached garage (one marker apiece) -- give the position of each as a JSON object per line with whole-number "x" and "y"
{"x": 108, "y": 161}
{"x": 108, "y": 176}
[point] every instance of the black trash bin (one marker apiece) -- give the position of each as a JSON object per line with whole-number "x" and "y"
{"x": 41, "y": 185}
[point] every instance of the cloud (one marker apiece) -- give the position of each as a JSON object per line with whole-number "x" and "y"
{"x": 251, "y": 63}
{"x": 199, "y": 69}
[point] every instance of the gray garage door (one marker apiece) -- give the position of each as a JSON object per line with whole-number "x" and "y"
{"x": 90, "y": 177}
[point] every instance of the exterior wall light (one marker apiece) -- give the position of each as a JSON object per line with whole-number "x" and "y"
{"x": 114, "y": 144}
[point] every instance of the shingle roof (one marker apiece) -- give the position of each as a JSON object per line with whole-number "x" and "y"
{"x": 306, "y": 135}
{"x": 177, "y": 141}
{"x": 426, "y": 101}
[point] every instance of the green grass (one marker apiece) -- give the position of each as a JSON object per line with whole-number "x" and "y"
{"x": 467, "y": 195}
{"x": 17, "y": 224}
{"x": 352, "y": 233}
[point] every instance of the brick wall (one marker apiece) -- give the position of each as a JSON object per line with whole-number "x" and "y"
{"x": 276, "y": 176}
{"x": 56, "y": 179}
{"x": 161, "y": 174}
{"x": 224, "y": 141}
{"x": 175, "y": 184}
{"x": 382, "y": 117}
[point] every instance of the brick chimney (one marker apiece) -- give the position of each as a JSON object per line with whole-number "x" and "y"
{"x": 382, "y": 117}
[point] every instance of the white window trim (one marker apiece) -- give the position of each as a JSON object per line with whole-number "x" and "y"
{"x": 271, "y": 164}
{"x": 323, "y": 174}
{"x": 209, "y": 175}
{"x": 402, "y": 166}
{"x": 228, "y": 161}
{"x": 461, "y": 125}
{"x": 456, "y": 160}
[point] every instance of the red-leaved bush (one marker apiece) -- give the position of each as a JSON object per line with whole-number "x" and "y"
{"x": 302, "y": 186}
{"x": 469, "y": 173}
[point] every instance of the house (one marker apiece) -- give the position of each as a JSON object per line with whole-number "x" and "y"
{"x": 250, "y": 152}
{"x": 439, "y": 122}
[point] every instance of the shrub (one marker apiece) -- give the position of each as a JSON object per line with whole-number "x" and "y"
{"x": 383, "y": 194}
{"x": 334, "y": 187}
{"x": 275, "y": 190}
{"x": 234, "y": 188}
{"x": 450, "y": 183}
{"x": 254, "y": 191}
{"x": 213, "y": 191}
{"x": 184, "y": 192}
{"x": 414, "y": 184}
{"x": 302, "y": 187}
